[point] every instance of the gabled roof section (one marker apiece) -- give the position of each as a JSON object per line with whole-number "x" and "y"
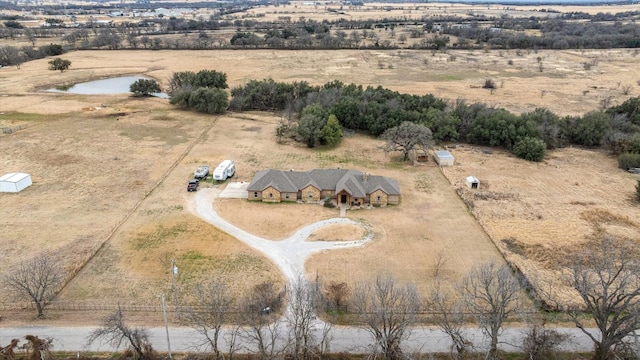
{"x": 388, "y": 185}
{"x": 355, "y": 182}
{"x": 271, "y": 177}
{"x": 351, "y": 183}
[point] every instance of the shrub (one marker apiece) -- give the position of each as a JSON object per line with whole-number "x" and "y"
{"x": 590, "y": 129}
{"x": 627, "y": 161}
{"x": 209, "y": 100}
{"x": 144, "y": 87}
{"x": 542, "y": 343}
{"x": 328, "y": 203}
{"x": 489, "y": 84}
{"x": 531, "y": 149}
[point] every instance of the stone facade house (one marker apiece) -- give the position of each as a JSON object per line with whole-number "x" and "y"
{"x": 351, "y": 187}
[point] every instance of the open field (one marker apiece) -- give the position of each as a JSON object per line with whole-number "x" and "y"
{"x": 101, "y": 161}
{"x": 539, "y": 214}
{"x": 564, "y": 86}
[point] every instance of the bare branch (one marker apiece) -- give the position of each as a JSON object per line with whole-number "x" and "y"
{"x": 36, "y": 279}
{"x": 387, "y": 310}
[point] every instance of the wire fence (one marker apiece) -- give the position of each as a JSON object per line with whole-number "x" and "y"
{"x": 128, "y": 307}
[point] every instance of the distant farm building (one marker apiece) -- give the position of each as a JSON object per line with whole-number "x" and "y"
{"x": 444, "y": 158}
{"x": 350, "y": 187}
{"x": 473, "y": 182}
{"x": 14, "y": 182}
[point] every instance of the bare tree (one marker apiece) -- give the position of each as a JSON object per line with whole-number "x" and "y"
{"x": 208, "y": 314}
{"x": 337, "y": 292}
{"x": 7, "y": 351}
{"x": 608, "y": 282}
{"x": 492, "y": 294}
{"x": 261, "y": 330}
{"x": 115, "y": 332}
{"x": 541, "y": 343}
{"x": 450, "y": 319}
{"x": 301, "y": 318}
{"x": 36, "y": 279}
{"x": 387, "y": 310}
{"x": 40, "y": 349}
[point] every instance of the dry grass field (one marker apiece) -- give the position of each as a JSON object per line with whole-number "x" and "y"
{"x": 540, "y": 214}
{"x": 101, "y": 161}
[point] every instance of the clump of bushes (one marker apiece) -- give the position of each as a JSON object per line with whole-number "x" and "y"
{"x": 627, "y": 161}
{"x": 328, "y": 203}
{"x": 489, "y": 84}
{"x": 532, "y": 149}
{"x": 202, "y": 91}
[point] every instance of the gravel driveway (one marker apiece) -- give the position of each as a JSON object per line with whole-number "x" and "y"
{"x": 289, "y": 254}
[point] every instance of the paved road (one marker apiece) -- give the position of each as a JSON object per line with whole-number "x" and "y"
{"x": 343, "y": 339}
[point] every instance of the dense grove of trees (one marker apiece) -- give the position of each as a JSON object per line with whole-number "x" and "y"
{"x": 202, "y": 91}
{"x": 15, "y": 56}
{"x": 376, "y": 109}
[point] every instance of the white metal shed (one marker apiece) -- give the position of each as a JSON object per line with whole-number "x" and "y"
{"x": 473, "y": 182}
{"x": 443, "y": 158}
{"x": 14, "y": 182}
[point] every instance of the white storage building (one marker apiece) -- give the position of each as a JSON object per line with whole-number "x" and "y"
{"x": 14, "y": 182}
{"x": 473, "y": 182}
{"x": 443, "y": 158}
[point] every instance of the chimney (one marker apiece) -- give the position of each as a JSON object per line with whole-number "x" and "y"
{"x": 365, "y": 176}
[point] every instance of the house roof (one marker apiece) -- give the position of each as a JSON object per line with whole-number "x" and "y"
{"x": 355, "y": 182}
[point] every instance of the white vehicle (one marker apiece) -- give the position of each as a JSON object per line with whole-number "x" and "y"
{"x": 201, "y": 172}
{"x": 225, "y": 170}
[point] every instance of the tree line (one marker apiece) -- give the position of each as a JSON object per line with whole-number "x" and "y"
{"x": 567, "y": 31}
{"x": 278, "y": 323}
{"x": 375, "y": 110}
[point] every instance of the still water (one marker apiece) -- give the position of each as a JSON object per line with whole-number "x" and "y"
{"x": 118, "y": 85}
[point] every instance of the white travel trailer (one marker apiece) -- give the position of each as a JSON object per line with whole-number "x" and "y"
{"x": 225, "y": 170}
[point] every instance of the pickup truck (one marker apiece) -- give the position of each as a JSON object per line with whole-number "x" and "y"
{"x": 193, "y": 185}
{"x": 201, "y": 172}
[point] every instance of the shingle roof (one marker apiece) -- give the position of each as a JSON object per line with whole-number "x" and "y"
{"x": 338, "y": 180}
{"x": 271, "y": 177}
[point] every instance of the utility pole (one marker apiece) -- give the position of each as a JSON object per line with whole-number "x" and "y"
{"x": 174, "y": 272}
{"x": 166, "y": 326}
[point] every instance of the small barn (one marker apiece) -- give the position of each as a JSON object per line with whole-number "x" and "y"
{"x": 443, "y": 158}
{"x": 14, "y": 182}
{"x": 473, "y": 182}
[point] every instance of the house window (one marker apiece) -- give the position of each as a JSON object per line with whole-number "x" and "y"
{"x": 255, "y": 194}
{"x": 286, "y": 196}
{"x": 378, "y": 198}
{"x": 310, "y": 194}
{"x": 271, "y": 196}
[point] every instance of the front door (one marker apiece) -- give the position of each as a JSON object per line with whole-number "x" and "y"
{"x": 343, "y": 199}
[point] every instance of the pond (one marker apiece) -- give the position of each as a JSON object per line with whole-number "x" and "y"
{"x": 118, "y": 85}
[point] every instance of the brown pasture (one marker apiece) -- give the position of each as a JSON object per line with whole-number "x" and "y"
{"x": 102, "y": 161}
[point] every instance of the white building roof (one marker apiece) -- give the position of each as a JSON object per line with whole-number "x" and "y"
{"x": 443, "y": 154}
{"x": 13, "y": 177}
{"x": 472, "y": 179}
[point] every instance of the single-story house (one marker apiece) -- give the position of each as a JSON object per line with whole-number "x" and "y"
{"x": 443, "y": 158}
{"x": 350, "y": 187}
